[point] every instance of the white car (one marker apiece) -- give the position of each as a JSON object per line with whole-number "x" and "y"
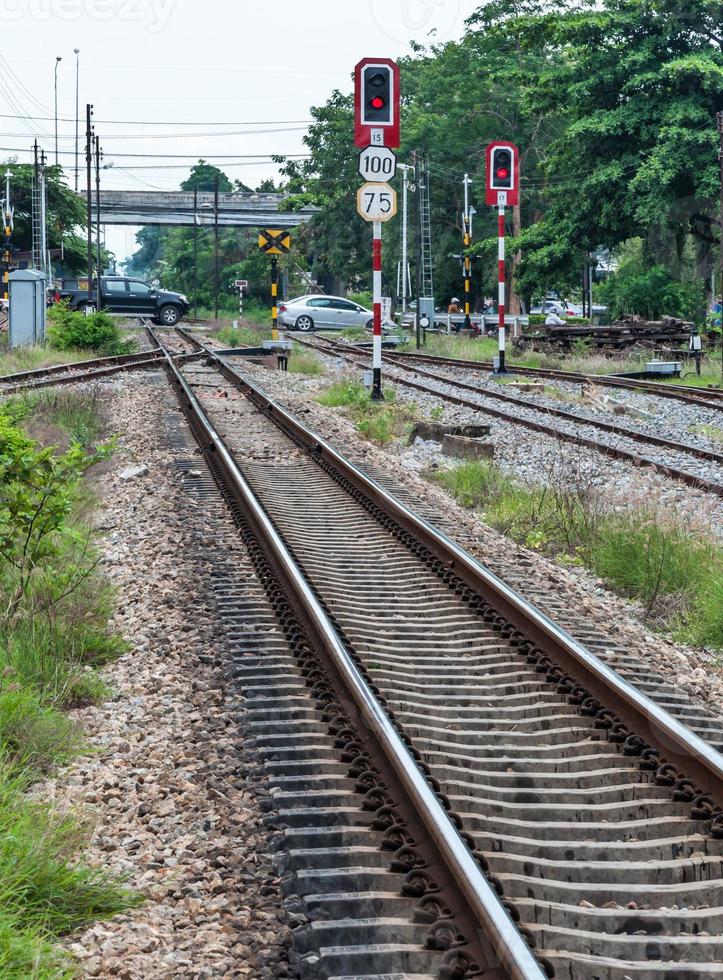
{"x": 315, "y": 312}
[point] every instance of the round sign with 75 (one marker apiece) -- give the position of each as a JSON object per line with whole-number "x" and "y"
{"x": 376, "y": 202}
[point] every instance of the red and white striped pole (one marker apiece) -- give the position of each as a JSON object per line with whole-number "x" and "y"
{"x": 501, "y": 200}
{"x": 377, "y": 394}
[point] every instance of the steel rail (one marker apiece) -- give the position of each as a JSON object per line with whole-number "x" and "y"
{"x": 642, "y": 715}
{"x": 98, "y": 362}
{"x": 679, "y": 392}
{"x": 90, "y": 375}
{"x": 621, "y": 430}
{"x": 699, "y": 482}
{"x": 480, "y": 902}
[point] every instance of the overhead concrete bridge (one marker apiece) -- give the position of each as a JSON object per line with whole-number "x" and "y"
{"x": 238, "y": 209}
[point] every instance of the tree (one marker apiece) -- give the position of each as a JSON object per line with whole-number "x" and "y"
{"x": 636, "y": 84}
{"x": 66, "y": 213}
{"x": 203, "y": 178}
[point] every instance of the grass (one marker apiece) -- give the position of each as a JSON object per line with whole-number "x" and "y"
{"x": 243, "y": 336}
{"x": 712, "y": 432}
{"x": 54, "y": 634}
{"x": 676, "y": 575}
{"x": 305, "y": 362}
{"x": 31, "y": 358}
{"x": 78, "y": 414}
{"x": 44, "y": 891}
{"x": 380, "y": 422}
{"x": 580, "y": 359}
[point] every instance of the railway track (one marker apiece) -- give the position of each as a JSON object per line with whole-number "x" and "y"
{"x": 504, "y": 772}
{"x": 684, "y": 462}
{"x": 707, "y": 397}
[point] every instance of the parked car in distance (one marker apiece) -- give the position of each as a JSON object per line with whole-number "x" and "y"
{"x": 132, "y": 297}
{"x": 315, "y": 312}
{"x": 549, "y": 306}
{"x": 561, "y": 307}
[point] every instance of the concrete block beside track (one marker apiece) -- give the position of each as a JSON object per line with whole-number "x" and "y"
{"x": 462, "y": 447}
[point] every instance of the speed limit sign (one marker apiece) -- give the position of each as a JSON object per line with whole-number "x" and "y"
{"x": 377, "y": 163}
{"x": 376, "y": 202}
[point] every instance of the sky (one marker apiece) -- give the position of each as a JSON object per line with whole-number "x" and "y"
{"x": 229, "y": 82}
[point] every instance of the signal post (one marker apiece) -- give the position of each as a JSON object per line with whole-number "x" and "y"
{"x": 502, "y": 188}
{"x": 274, "y": 242}
{"x": 376, "y": 134}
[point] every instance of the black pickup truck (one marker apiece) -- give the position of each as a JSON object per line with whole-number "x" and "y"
{"x": 133, "y": 297}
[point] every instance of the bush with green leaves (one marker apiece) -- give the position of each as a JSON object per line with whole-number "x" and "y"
{"x": 675, "y": 575}
{"x": 73, "y": 330}
{"x": 54, "y": 630}
{"x": 653, "y": 293}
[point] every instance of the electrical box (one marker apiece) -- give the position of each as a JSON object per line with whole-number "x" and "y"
{"x": 26, "y": 320}
{"x": 426, "y": 307}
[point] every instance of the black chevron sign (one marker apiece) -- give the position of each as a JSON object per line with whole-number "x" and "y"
{"x": 274, "y": 242}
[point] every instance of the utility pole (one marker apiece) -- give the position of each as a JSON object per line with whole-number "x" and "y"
{"x": 98, "y": 266}
{"x": 8, "y": 229}
{"x": 76, "y": 51}
{"x": 57, "y": 62}
{"x": 719, "y": 119}
{"x": 405, "y": 168}
{"x": 215, "y": 246}
{"x": 89, "y": 165}
{"x": 418, "y": 191}
{"x": 195, "y": 252}
{"x": 466, "y": 258}
{"x": 45, "y": 266}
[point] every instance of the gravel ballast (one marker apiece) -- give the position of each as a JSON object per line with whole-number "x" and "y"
{"x": 695, "y": 671}
{"x": 165, "y": 784}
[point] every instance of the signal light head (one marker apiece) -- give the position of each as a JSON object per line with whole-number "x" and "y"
{"x": 502, "y": 164}
{"x": 376, "y": 98}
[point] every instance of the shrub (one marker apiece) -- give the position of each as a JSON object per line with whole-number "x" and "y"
{"x": 653, "y": 293}
{"x": 300, "y": 363}
{"x": 474, "y": 484}
{"x": 243, "y": 336}
{"x": 652, "y": 562}
{"x": 377, "y": 421}
{"x": 72, "y": 330}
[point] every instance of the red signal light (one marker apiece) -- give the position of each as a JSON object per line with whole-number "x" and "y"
{"x": 502, "y": 172}
{"x": 377, "y": 102}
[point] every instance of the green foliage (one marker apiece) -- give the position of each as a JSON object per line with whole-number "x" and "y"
{"x": 709, "y": 431}
{"x": 54, "y": 614}
{"x": 677, "y": 576}
{"x": 651, "y": 562}
{"x": 203, "y": 177}
{"x": 30, "y": 358}
{"x": 65, "y": 216}
{"x": 346, "y": 394}
{"x": 243, "y": 336}
{"x": 653, "y": 293}
{"x": 473, "y": 484}
{"x": 377, "y": 421}
{"x": 538, "y": 319}
{"x": 306, "y": 363}
{"x": 43, "y": 888}
{"x": 73, "y": 330}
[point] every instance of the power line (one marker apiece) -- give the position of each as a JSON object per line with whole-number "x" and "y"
{"x": 160, "y": 122}
{"x": 168, "y": 136}
{"x": 174, "y": 156}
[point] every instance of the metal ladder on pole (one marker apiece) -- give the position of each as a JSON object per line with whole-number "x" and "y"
{"x": 37, "y": 220}
{"x": 426, "y": 230}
